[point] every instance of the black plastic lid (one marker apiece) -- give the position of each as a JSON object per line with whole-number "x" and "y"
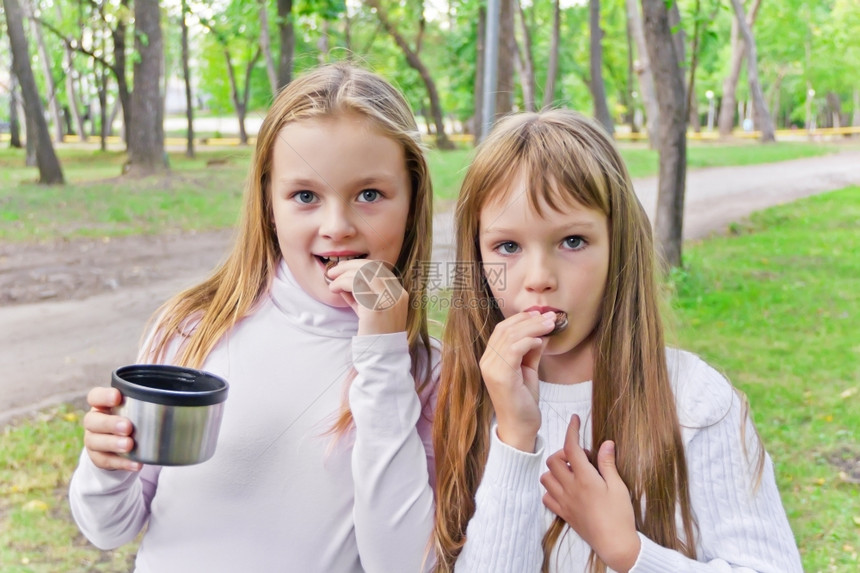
{"x": 169, "y": 385}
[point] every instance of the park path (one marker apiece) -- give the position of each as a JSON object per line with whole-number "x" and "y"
{"x": 54, "y": 351}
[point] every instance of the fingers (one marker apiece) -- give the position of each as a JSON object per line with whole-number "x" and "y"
{"x": 104, "y": 398}
{"x": 606, "y": 462}
{"x": 518, "y": 336}
{"x": 572, "y": 450}
{"x": 106, "y": 435}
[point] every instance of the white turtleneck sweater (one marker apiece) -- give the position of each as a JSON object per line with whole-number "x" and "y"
{"x": 741, "y": 528}
{"x": 280, "y": 494}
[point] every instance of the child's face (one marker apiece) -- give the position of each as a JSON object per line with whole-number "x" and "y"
{"x": 558, "y": 261}
{"x": 339, "y": 189}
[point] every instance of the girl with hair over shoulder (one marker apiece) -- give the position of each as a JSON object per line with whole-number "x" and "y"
{"x": 324, "y": 459}
{"x": 656, "y": 465}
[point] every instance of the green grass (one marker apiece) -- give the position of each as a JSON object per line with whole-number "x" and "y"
{"x": 37, "y": 533}
{"x": 775, "y": 306}
{"x": 200, "y": 194}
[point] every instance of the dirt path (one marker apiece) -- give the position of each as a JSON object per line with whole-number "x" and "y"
{"x": 71, "y": 312}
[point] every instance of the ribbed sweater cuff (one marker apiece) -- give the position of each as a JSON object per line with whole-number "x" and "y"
{"x": 510, "y": 468}
{"x": 654, "y": 558}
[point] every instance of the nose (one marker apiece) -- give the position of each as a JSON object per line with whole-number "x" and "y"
{"x": 540, "y": 274}
{"x": 337, "y": 221}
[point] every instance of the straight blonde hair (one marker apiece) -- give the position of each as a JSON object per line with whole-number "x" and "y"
{"x": 201, "y": 315}
{"x": 567, "y": 160}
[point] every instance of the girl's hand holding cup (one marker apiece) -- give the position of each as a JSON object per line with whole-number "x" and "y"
{"x": 509, "y": 369}
{"x": 106, "y": 436}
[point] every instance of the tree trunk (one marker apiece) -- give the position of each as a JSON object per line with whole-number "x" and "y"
{"x": 414, "y": 61}
{"x": 118, "y": 36}
{"x": 552, "y": 67}
{"x": 669, "y": 81}
{"x": 146, "y": 132}
{"x": 50, "y": 85}
{"x": 598, "y": 90}
{"x": 834, "y": 109}
{"x": 285, "y": 31}
{"x": 186, "y": 74}
{"x": 14, "y": 122}
{"x": 726, "y": 121}
{"x": 643, "y": 72}
{"x": 762, "y": 115}
{"x": 50, "y": 171}
{"x": 506, "y": 60}
{"x": 104, "y": 127}
{"x": 855, "y": 121}
{"x": 526, "y": 59}
{"x": 71, "y": 89}
{"x": 266, "y": 46}
{"x": 629, "y": 101}
{"x": 479, "y": 76}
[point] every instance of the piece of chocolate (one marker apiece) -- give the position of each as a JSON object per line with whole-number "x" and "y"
{"x": 560, "y": 322}
{"x": 329, "y": 266}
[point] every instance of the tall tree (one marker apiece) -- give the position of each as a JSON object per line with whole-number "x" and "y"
{"x": 50, "y": 171}
{"x": 643, "y": 72}
{"x": 146, "y": 133}
{"x": 672, "y": 131}
{"x": 44, "y": 57}
{"x": 236, "y": 40}
{"x": 762, "y": 117}
{"x": 598, "y": 89}
{"x": 266, "y": 47}
{"x": 507, "y": 59}
{"x": 14, "y": 123}
{"x": 416, "y": 63}
{"x": 525, "y": 60}
{"x": 288, "y": 41}
{"x": 186, "y": 74}
{"x": 726, "y": 119}
{"x": 552, "y": 67}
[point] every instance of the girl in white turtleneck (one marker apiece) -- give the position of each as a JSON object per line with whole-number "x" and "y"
{"x": 324, "y": 458}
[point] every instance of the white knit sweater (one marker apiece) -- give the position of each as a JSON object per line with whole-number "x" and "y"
{"x": 280, "y": 494}
{"x": 740, "y": 528}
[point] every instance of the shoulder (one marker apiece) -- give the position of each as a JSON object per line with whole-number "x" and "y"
{"x": 703, "y": 396}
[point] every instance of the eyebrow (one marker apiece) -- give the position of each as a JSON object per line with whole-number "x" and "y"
{"x": 308, "y": 182}
{"x": 570, "y": 227}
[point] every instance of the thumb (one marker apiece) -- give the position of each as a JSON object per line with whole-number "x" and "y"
{"x": 606, "y": 461}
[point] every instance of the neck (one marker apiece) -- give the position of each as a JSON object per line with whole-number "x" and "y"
{"x": 572, "y": 367}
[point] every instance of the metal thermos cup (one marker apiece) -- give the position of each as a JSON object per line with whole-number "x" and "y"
{"x": 175, "y": 411}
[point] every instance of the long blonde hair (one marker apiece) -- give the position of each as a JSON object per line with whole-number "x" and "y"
{"x": 566, "y": 158}
{"x": 202, "y": 314}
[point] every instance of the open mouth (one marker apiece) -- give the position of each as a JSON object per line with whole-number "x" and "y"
{"x": 329, "y": 262}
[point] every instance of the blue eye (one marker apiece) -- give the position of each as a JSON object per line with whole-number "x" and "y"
{"x": 369, "y": 196}
{"x": 304, "y": 197}
{"x": 574, "y": 243}
{"x": 508, "y": 248}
